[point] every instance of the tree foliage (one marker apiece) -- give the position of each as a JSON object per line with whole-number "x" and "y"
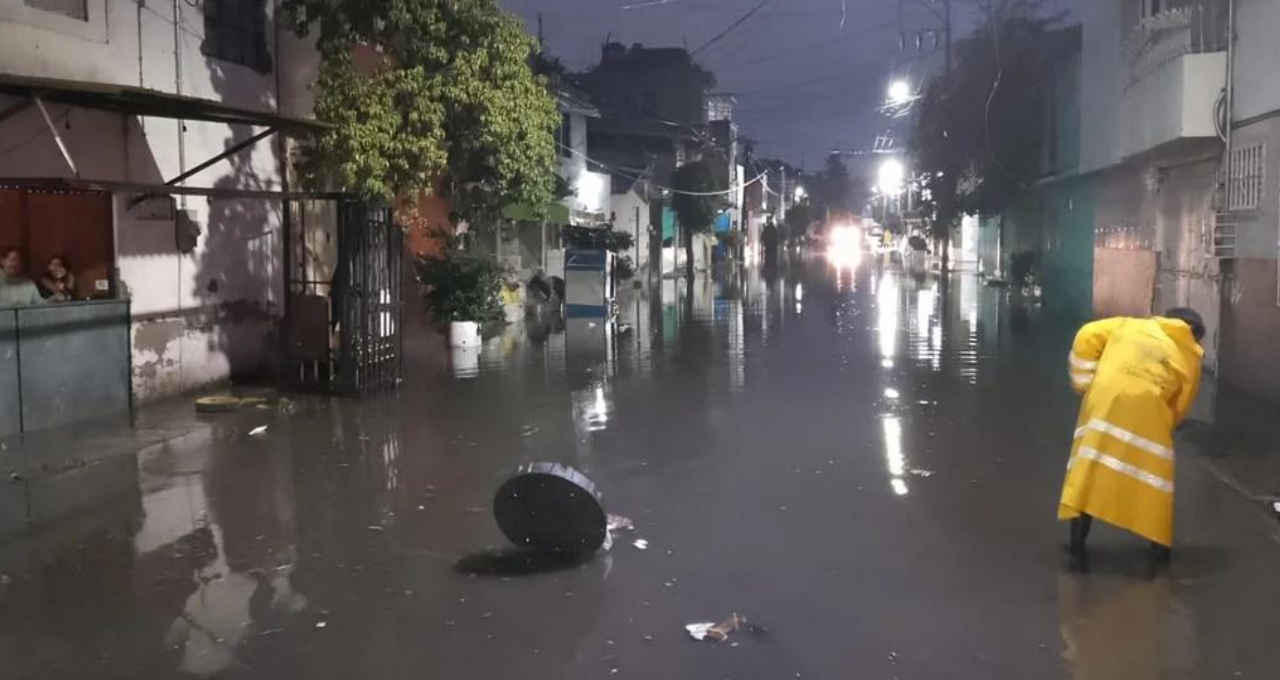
{"x": 417, "y": 89}
{"x": 833, "y": 190}
{"x": 696, "y": 202}
{"x": 461, "y": 284}
{"x": 978, "y": 135}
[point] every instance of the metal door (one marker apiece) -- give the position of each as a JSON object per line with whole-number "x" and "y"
{"x": 368, "y": 304}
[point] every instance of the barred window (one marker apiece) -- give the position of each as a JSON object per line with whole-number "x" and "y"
{"x": 236, "y": 31}
{"x": 1246, "y": 178}
{"x": 72, "y": 9}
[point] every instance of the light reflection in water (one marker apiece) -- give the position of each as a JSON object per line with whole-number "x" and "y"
{"x": 894, "y": 457}
{"x": 887, "y": 303}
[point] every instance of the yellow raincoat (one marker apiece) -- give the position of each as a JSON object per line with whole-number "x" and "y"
{"x": 1138, "y": 378}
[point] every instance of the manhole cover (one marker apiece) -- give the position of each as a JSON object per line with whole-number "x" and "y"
{"x": 551, "y": 507}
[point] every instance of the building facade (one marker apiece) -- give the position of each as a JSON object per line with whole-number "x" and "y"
{"x": 109, "y": 97}
{"x": 1250, "y": 297}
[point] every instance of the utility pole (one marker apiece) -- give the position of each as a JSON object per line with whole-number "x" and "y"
{"x": 782, "y": 204}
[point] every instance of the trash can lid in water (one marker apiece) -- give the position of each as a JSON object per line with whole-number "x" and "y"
{"x": 550, "y": 507}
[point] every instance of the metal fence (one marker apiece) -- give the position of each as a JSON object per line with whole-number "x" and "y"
{"x": 1183, "y": 27}
{"x": 345, "y": 263}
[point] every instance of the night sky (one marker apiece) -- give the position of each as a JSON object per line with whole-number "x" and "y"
{"x": 804, "y": 84}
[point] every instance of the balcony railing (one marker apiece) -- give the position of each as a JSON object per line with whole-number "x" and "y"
{"x": 1186, "y": 27}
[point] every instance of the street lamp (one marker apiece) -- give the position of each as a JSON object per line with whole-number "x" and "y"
{"x": 890, "y": 176}
{"x": 799, "y": 193}
{"x": 899, "y": 92}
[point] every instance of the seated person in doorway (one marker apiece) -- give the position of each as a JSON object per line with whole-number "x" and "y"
{"x": 16, "y": 289}
{"x": 58, "y": 284}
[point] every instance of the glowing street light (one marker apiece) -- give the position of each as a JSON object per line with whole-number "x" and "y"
{"x": 889, "y": 179}
{"x": 800, "y": 193}
{"x": 899, "y": 92}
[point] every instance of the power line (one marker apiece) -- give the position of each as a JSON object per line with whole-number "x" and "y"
{"x": 731, "y": 27}
{"x": 625, "y": 173}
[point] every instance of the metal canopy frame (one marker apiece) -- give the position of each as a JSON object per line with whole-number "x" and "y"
{"x": 146, "y": 102}
{"x": 140, "y": 101}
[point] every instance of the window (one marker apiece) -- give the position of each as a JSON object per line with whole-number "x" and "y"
{"x": 236, "y": 31}
{"x": 72, "y": 9}
{"x": 1246, "y": 177}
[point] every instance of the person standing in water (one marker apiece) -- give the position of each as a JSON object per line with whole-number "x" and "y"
{"x": 1138, "y": 378}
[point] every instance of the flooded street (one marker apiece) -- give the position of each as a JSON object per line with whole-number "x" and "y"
{"x": 863, "y": 465}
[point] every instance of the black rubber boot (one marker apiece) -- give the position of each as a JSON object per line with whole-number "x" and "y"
{"x": 1080, "y": 533}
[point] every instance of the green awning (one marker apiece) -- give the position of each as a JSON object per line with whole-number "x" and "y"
{"x": 555, "y": 213}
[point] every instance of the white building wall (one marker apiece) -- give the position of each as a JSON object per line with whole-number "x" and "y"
{"x": 203, "y": 315}
{"x": 1102, "y": 72}
{"x": 631, "y": 215}
{"x": 1257, "y": 56}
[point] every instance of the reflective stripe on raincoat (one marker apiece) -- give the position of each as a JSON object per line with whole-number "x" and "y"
{"x": 1138, "y": 378}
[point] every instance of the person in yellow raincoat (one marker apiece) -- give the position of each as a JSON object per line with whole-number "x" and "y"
{"x": 1138, "y": 378}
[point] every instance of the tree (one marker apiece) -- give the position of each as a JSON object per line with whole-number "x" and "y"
{"x": 799, "y": 217}
{"x": 449, "y": 93}
{"x": 696, "y": 202}
{"x": 978, "y": 136}
{"x": 833, "y": 191}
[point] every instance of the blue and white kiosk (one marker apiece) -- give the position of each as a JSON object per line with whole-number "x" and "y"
{"x": 588, "y": 284}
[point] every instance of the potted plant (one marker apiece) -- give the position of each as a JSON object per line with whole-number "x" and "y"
{"x": 461, "y": 288}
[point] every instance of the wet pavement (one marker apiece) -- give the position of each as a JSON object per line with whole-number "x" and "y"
{"x": 863, "y": 466}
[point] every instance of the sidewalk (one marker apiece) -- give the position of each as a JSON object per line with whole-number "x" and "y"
{"x": 1241, "y": 446}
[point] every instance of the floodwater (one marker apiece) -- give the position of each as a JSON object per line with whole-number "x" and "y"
{"x": 863, "y": 465}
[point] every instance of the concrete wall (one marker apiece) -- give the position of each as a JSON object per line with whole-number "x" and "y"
{"x": 1257, "y": 55}
{"x": 1250, "y": 326}
{"x": 1066, "y": 268}
{"x": 1150, "y": 228}
{"x": 1250, "y": 315}
{"x": 1103, "y": 74}
{"x": 1120, "y": 118}
{"x": 210, "y": 308}
{"x": 1176, "y": 101}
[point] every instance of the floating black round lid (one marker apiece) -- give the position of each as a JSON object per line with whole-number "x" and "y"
{"x": 551, "y": 507}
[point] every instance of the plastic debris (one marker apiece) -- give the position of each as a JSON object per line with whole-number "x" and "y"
{"x": 258, "y": 431}
{"x": 321, "y": 624}
{"x": 641, "y": 544}
{"x": 715, "y": 632}
{"x": 919, "y": 472}
{"x": 620, "y": 523}
{"x": 529, "y": 431}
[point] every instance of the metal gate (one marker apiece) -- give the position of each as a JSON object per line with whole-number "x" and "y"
{"x": 370, "y": 248}
{"x": 344, "y": 259}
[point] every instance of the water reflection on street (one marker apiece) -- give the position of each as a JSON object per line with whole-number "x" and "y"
{"x": 863, "y": 460}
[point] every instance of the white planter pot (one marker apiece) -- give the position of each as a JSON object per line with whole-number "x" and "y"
{"x": 464, "y": 362}
{"x": 464, "y": 334}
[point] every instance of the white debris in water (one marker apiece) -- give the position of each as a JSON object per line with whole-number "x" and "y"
{"x": 698, "y": 631}
{"x": 258, "y": 431}
{"x": 641, "y": 544}
{"x": 321, "y": 624}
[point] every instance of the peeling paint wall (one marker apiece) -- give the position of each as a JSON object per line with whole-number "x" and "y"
{"x": 1151, "y": 231}
{"x": 1250, "y": 326}
{"x": 206, "y": 294}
